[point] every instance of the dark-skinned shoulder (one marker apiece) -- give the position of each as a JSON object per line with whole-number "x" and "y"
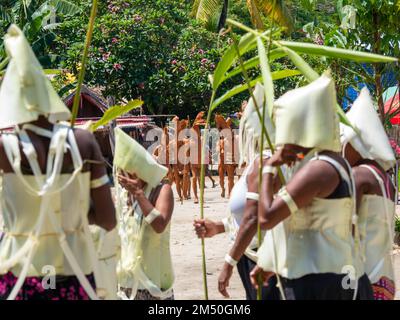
{"x": 318, "y": 177}
{"x": 87, "y": 144}
{"x": 364, "y": 180}
{"x": 4, "y": 163}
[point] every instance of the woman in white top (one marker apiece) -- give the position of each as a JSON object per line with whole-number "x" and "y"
{"x": 53, "y": 183}
{"x": 242, "y": 225}
{"x": 370, "y": 154}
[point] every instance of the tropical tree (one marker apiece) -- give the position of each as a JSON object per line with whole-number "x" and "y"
{"x": 37, "y": 19}
{"x": 368, "y": 25}
{"x": 217, "y": 10}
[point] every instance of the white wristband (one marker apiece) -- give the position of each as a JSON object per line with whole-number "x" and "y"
{"x": 97, "y": 183}
{"x": 225, "y": 222}
{"x": 252, "y": 196}
{"x": 229, "y": 260}
{"x": 269, "y": 169}
{"x": 287, "y": 198}
{"x": 154, "y": 214}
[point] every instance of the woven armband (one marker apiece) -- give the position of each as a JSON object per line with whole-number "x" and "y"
{"x": 252, "y": 196}
{"x": 229, "y": 260}
{"x": 153, "y": 215}
{"x": 285, "y": 196}
{"x": 97, "y": 183}
{"x": 269, "y": 169}
{"x": 225, "y": 222}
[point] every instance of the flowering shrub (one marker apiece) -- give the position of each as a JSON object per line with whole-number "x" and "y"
{"x": 154, "y": 52}
{"x": 395, "y": 146}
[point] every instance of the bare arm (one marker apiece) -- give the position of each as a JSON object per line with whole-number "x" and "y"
{"x": 248, "y": 226}
{"x": 315, "y": 179}
{"x": 4, "y": 163}
{"x": 247, "y": 229}
{"x": 164, "y": 204}
{"x": 102, "y": 212}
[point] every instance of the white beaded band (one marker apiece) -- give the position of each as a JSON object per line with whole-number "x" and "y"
{"x": 229, "y": 260}
{"x": 269, "y": 169}
{"x": 285, "y": 196}
{"x": 225, "y": 222}
{"x": 97, "y": 183}
{"x": 252, "y": 196}
{"x": 154, "y": 214}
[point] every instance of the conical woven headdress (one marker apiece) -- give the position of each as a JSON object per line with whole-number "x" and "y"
{"x": 25, "y": 92}
{"x": 131, "y": 157}
{"x": 371, "y": 141}
{"x": 250, "y": 128}
{"x": 307, "y": 116}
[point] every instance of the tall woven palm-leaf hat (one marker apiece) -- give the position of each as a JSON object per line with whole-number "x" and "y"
{"x": 307, "y": 116}
{"x": 250, "y": 129}
{"x": 371, "y": 140}
{"x": 131, "y": 157}
{"x": 25, "y": 92}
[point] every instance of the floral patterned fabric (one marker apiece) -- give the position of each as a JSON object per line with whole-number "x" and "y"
{"x": 66, "y": 288}
{"x": 144, "y": 295}
{"x": 384, "y": 289}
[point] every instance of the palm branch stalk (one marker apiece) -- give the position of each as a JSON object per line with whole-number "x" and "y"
{"x": 202, "y": 181}
{"x": 85, "y": 54}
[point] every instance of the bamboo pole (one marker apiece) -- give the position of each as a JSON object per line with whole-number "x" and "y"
{"x": 202, "y": 180}
{"x": 85, "y": 54}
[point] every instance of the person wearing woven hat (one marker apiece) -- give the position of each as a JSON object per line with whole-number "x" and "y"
{"x": 309, "y": 244}
{"x": 54, "y": 183}
{"x": 145, "y": 269}
{"x": 369, "y": 152}
{"x": 242, "y": 223}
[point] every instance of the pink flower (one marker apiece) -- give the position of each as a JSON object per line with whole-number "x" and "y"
{"x": 137, "y": 18}
{"x": 106, "y": 55}
{"x": 174, "y": 62}
{"x": 117, "y": 66}
{"x": 204, "y": 61}
{"x": 114, "y": 40}
{"x": 201, "y": 51}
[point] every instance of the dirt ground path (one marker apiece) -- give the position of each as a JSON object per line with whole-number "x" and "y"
{"x": 186, "y": 251}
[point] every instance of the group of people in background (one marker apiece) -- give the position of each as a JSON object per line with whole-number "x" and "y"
{"x": 325, "y": 203}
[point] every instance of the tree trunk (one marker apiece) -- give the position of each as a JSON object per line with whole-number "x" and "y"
{"x": 224, "y": 15}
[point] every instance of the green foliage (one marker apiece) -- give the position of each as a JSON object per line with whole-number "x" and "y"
{"x": 114, "y": 112}
{"x": 38, "y": 19}
{"x": 375, "y": 29}
{"x": 207, "y": 11}
{"x": 157, "y": 53}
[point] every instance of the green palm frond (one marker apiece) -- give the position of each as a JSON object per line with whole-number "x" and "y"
{"x": 277, "y": 11}
{"x": 64, "y": 7}
{"x": 5, "y": 14}
{"x": 255, "y": 14}
{"x": 204, "y": 10}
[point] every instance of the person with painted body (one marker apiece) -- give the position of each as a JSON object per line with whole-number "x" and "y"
{"x": 226, "y": 153}
{"x": 369, "y": 153}
{"x": 309, "y": 243}
{"x": 145, "y": 205}
{"x": 242, "y": 224}
{"x": 54, "y": 183}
